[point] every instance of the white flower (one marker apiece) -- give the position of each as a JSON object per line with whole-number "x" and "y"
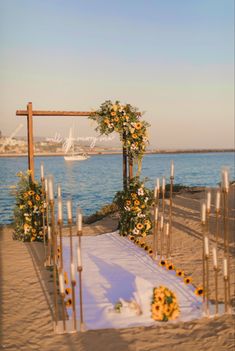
{"x": 136, "y": 231}
{"x": 140, "y": 192}
{"x": 133, "y": 147}
{"x": 127, "y": 208}
{"x": 146, "y": 199}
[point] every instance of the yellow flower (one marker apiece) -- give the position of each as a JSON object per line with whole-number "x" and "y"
{"x": 133, "y": 195}
{"x": 106, "y": 121}
{"x": 114, "y": 107}
{"x": 68, "y": 291}
{"x": 188, "y": 280}
{"x": 139, "y": 226}
{"x": 136, "y": 202}
{"x": 134, "y": 136}
{"x": 128, "y": 202}
{"x": 116, "y": 119}
{"x": 162, "y": 263}
{"x": 131, "y": 237}
{"x": 199, "y": 291}
{"x": 25, "y": 195}
{"x": 113, "y": 113}
{"x": 127, "y": 118}
{"x": 146, "y": 247}
{"x": 150, "y": 251}
{"x": 21, "y": 207}
{"x": 30, "y": 203}
{"x": 138, "y": 125}
{"x": 144, "y": 234}
{"x": 143, "y": 206}
{"x": 170, "y": 266}
{"x": 179, "y": 273}
{"x": 37, "y": 197}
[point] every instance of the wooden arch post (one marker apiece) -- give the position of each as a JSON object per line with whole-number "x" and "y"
{"x": 127, "y": 160}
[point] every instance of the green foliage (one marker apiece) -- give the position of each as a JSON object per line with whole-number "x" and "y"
{"x": 134, "y": 205}
{"x": 28, "y": 210}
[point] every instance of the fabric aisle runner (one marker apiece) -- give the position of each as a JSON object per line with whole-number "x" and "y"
{"x": 114, "y": 268}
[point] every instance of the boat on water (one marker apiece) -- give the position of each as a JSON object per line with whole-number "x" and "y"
{"x": 69, "y": 148}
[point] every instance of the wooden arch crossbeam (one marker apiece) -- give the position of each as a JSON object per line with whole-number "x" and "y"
{"x": 29, "y": 112}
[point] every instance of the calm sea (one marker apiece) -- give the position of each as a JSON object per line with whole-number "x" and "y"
{"x": 93, "y": 183}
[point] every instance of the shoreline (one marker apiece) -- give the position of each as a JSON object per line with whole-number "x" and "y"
{"x": 98, "y": 153}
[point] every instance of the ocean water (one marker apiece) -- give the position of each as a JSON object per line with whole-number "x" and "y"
{"x": 93, "y": 183}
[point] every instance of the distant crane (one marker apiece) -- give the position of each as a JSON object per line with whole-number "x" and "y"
{"x": 9, "y": 140}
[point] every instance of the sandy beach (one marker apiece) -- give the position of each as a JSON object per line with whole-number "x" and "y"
{"x": 26, "y": 294}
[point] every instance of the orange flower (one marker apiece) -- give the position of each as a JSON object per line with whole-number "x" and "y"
{"x": 139, "y": 226}
{"x": 134, "y": 136}
{"x": 179, "y": 273}
{"x": 113, "y": 113}
{"x": 188, "y": 280}
{"x": 199, "y": 291}
{"x": 136, "y": 202}
{"x": 138, "y": 125}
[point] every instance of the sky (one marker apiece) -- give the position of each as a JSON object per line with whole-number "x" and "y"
{"x": 173, "y": 59}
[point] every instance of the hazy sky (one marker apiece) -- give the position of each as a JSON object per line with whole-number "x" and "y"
{"x": 173, "y": 59}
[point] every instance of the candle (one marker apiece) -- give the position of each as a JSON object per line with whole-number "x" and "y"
{"x": 158, "y": 184}
{"x": 161, "y": 222}
{"x": 60, "y": 209}
{"x": 155, "y": 192}
{"x": 49, "y": 233}
{"x": 225, "y": 180}
{"x": 163, "y": 183}
{"x": 172, "y": 169}
{"x": 203, "y": 213}
{"x": 206, "y": 246}
{"x": 69, "y": 209}
{"x": 73, "y": 272}
{"x": 79, "y": 256}
{"x": 51, "y": 188}
{"x": 225, "y": 268}
{"x": 42, "y": 171}
{"x": 156, "y": 214}
{"x": 59, "y": 190}
{"x": 218, "y": 200}
{"x": 208, "y": 201}
{"x": 61, "y": 283}
{"x": 214, "y": 252}
{"x": 79, "y": 220}
{"x": 167, "y": 228}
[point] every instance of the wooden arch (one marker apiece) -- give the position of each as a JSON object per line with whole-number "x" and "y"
{"x": 29, "y": 112}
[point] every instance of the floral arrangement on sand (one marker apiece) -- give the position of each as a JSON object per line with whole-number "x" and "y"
{"x": 125, "y": 120}
{"x": 28, "y": 209}
{"x": 164, "y": 305}
{"x": 134, "y": 206}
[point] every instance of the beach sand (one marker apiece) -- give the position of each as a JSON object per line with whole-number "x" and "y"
{"x": 26, "y": 295}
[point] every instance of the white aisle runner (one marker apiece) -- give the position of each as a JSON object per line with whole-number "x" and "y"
{"x": 114, "y": 268}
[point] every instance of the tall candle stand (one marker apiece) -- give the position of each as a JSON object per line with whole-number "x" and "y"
{"x": 167, "y": 240}
{"x": 155, "y": 233}
{"x": 170, "y": 213}
{"x": 203, "y": 223}
{"x": 43, "y": 216}
{"x": 161, "y": 236}
{"x": 62, "y": 293}
{"x": 206, "y": 243}
{"x": 225, "y": 269}
{"x": 226, "y": 246}
{"x": 79, "y": 267}
{"x": 215, "y": 266}
{"x": 72, "y": 275}
{"x": 48, "y": 259}
{"x": 163, "y": 194}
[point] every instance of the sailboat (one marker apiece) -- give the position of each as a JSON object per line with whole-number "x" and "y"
{"x": 70, "y": 150}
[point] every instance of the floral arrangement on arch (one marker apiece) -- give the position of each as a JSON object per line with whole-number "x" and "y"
{"x": 28, "y": 209}
{"x": 124, "y": 119}
{"x": 134, "y": 206}
{"x": 164, "y": 305}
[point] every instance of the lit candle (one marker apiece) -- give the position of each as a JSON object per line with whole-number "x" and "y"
{"x": 156, "y": 214}
{"x": 51, "y": 188}
{"x": 161, "y": 222}
{"x": 69, "y": 209}
{"x": 172, "y": 169}
{"x": 225, "y": 180}
{"x": 60, "y": 209}
{"x": 59, "y": 190}
{"x": 79, "y": 256}
{"x": 79, "y": 220}
{"x": 61, "y": 283}
{"x": 225, "y": 268}
{"x": 42, "y": 171}
{"x": 163, "y": 184}
{"x": 158, "y": 184}
{"x": 49, "y": 233}
{"x": 73, "y": 272}
{"x": 167, "y": 228}
{"x": 214, "y": 252}
{"x": 206, "y": 246}
{"x": 203, "y": 213}
{"x": 208, "y": 201}
{"x": 218, "y": 200}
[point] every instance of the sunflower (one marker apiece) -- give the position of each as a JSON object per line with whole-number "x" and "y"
{"x": 146, "y": 248}
{"x": 58, "y": 249}
{"x": 142, "y": 244}
{"x": 138, "y": 125}
{"x": 30, "y": 192}
{"x": 136, "y": 202}
{"x": 170, "y": 267}
{"x": 199, "y": 291}
{"x": 116, "y": 119}
{"x": 68, "y": 303}
{"x": 179, "y": 273}
{"x": 131, "y": 237}
{"x": 113, "y": 113}
{"x": 37, "y": 197}
{"x": 139, "y": 226}
{"x": 128, "y": 202}
{"x": 30, "y": 203}
{"x": 188, "y": 280}
{"x": 134, "y": 136}
{"x": 162, "y": 263}
{"x": 150, "y": 251}
{"x": 68, "y": 291}
{"x": 133, "y": 195}
{"x": 143, "y": 206}
{"x": 137, "y": 242}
